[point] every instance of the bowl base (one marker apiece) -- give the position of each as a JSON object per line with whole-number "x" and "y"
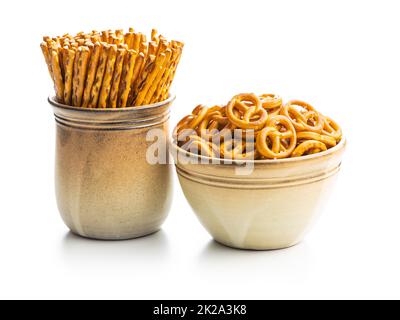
{"x": 258, "y": 248}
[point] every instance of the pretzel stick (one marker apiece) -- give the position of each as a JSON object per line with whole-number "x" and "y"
{"x": 64, "y": 55}
{"x": 104, "y": 36}
{"x": 158, "y": 78}
{"x": 146, "y": 68}
{"x": 136, "y": 42}
{"x": 92, "y": 68}
{"x": 136, "y": 73}
{"x": 154, "y": 35}
{"x": 161, "y": 47}
{"x": 152, "y": 48}
{"x": 94, "y": 96}
{"x": 165, "y": 77}
{"x": 75, "y": 77}
{"x": 143, "y": 48}
{"x": 69, "y": 69}
{"x": 58, "y": 79}
{"x": 166, "y": 85}
{"x": 95, "y": 38}
{"x": 80, "y": 76}
{"x": 45, "y": 51}
{"x": 106, "y": 86}
{"x": 158, "y": 64}
{"x": 149, "y": 96}
{"x": 165, "y": 90}
{"x": 117, "y": 78}
{"x": 129, "y": 39}
{"x": 126, "y": 80}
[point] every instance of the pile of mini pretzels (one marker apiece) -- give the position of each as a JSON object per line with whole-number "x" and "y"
{"x": 257, "y": 127}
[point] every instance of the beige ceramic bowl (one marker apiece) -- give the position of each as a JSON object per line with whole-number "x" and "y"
{"x": 105, "y": 187}
{"x": 272, "y": 208}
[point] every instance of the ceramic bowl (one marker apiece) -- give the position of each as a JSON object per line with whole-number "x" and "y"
{"x": 271, "y": 206}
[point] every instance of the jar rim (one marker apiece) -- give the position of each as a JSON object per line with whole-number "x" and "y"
{"x": 52, "y": 100}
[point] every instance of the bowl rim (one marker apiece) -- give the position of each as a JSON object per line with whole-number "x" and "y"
{"x": 340, "y": 146}
{"x": 52, "y": 100}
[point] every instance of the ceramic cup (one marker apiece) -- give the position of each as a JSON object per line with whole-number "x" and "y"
{"x": 105, "y": 187}
{"x": 273, "y": 207}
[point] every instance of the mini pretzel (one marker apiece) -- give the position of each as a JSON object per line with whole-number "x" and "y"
{"x": 199, "y": 114}
{"x": 309, "y": 147}
{"x": 271, "y": 102}
{"x": 199, "y": 146}
{"x": 214, "y": 120}
{"x": 305, "y": 119}
{"x": 230, "y": 148}
{"x": 245, "y": 111}
{"x": 278, "y": 140}
{"x": 238, "y": 150}
{"x": 249, "y": 152}
{"x": 325, "y": 139}
{"x": 331, "y": 128}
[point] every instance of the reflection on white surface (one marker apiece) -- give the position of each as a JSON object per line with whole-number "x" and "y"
{"x": 154, "y": 247}
{"x": 292, "y": 262}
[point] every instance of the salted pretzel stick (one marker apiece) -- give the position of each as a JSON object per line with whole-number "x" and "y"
{"x": 136, "y": 41}
{"x": 168, "y": 84}
{"x": 161, "y": 47}
{"x": 104, "y": 36}
{"x": 152, "y": 48}
{"x": 158, "y": 64}
{"x": 154, "y": 35}
{"x": 154, "y": 84}
{"x": 92, "y": 68}
{"x": 75, "y": 77}
{"x": 58, "y": 79}
{"x": 80, "y": 76}
{"x": 69, "y": 70}
{"x": 143, "y": 48}
{"x": 94, "y": 95}
{"x": 95, "y": 38}
{"x": 47, "y": 58}
{"x": 128, "y": 69}
{"x": 129, "y": 39}
{"x": 117, "y": 78}
{"x": 136, "y": 74}
{"x": 106, "y": 86}
{"x": 157, "y": 94}
{"x": 64, "y": 55}
{"x": 148, "y": 66}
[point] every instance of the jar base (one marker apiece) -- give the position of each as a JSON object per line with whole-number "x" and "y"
{"x": 116, "y": 238}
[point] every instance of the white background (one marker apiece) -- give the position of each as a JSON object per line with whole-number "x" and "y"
{"x": 341, "y": 56}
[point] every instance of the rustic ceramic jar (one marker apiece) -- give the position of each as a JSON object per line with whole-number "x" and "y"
{"x": 271, "y": 208}
{"x": 105, "y": 187}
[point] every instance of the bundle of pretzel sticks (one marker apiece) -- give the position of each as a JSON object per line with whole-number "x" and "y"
{"x": 111, "y": 69}
{"x": 252, "y": 127}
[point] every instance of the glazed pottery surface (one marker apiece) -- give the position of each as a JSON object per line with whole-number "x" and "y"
{"x": 105, "y": 187}
{"x": 273, "y": 207}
